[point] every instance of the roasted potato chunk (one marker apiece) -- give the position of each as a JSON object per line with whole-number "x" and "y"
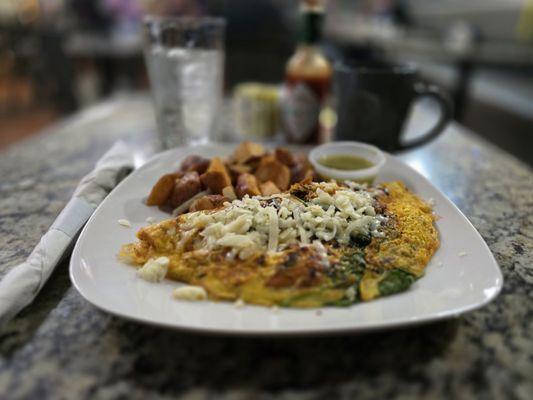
{"x": 301, "y": 169}
{"x": 270, "y": 169}
{"x": 268, "y": 188}
{"x": 247, "y": 151}
{"x": 229, "y": 193}
{"x": 162, "y": 190}
{"x": 237, "y": 169}
{"x": 284, "y": 156}
{"x": 247, "y": 184}
{"x": 251, "y": 169}
{"x": 208, "y": 202}
{"x": 195, "y": 163}
{"x": 216, "y": 177}
{"x": 184, "y": 188}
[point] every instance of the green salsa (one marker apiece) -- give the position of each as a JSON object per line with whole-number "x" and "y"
{"x": 345, "y": 162}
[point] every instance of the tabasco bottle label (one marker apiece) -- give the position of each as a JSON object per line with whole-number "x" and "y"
{"x": 300, "y": 108}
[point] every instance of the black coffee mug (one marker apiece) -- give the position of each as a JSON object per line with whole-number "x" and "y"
{"x": 373, "y": 102}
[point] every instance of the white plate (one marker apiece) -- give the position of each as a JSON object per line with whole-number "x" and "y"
{"x": 462, "y": 275}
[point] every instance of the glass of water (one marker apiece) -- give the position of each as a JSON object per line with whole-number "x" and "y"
{"x": 185, "y": 61}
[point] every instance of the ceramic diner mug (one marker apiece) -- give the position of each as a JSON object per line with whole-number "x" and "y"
{"x": 373, "y": 102}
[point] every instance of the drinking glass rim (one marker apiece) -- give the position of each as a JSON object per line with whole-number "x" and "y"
{"x": 184, "y": 20}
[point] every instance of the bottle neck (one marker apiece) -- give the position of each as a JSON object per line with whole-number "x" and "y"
{"x": 311, "y": 21}
{"x": 308, "y": 48}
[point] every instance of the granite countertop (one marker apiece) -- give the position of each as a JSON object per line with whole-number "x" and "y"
{"x": 62, "y": 347}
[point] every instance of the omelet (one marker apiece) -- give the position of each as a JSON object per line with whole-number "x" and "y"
{"x": 318, "y": 244}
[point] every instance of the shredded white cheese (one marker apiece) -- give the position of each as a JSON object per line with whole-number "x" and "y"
{"x": 190, "y": 293}
{"x": 350, "y": 293}
{"x": 273, "y": 229}
{"x": 154, "y": 270}
{"x": 274, "y": 222}
{"x": 239, "y": 303}
{"x": 125, "y": 223}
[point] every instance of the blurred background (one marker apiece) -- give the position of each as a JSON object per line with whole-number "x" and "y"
{"x": 59, "y": 56}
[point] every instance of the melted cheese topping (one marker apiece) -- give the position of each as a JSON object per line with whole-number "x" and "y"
{"x": 273, "y": 223}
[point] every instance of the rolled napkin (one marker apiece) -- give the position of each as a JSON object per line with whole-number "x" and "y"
{"x": 20, "y": 286}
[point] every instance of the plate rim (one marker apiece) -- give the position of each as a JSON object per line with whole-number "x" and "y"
{"x": 280, "y": 332}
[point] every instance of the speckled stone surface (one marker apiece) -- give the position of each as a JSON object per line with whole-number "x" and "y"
{"x": 62, "y": 347}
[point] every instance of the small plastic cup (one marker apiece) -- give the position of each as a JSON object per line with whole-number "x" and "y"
{"x": 363, "y": 150}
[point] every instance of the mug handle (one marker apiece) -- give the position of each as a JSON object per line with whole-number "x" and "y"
{"x": 446, "y": 113}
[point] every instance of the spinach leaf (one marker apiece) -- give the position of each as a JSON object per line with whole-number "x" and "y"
{"x": 348, "y": 273}
{"x": 351, "y": 264}
{"x": 361, "y": 240}
{"x": 395, "y": 281}
{"x": 344, "y": 302}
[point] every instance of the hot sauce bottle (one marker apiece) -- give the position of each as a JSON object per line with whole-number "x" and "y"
{"x": 307, "y": 80}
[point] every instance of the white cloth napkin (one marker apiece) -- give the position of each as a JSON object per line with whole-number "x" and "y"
{"x": 20, "y": 286}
